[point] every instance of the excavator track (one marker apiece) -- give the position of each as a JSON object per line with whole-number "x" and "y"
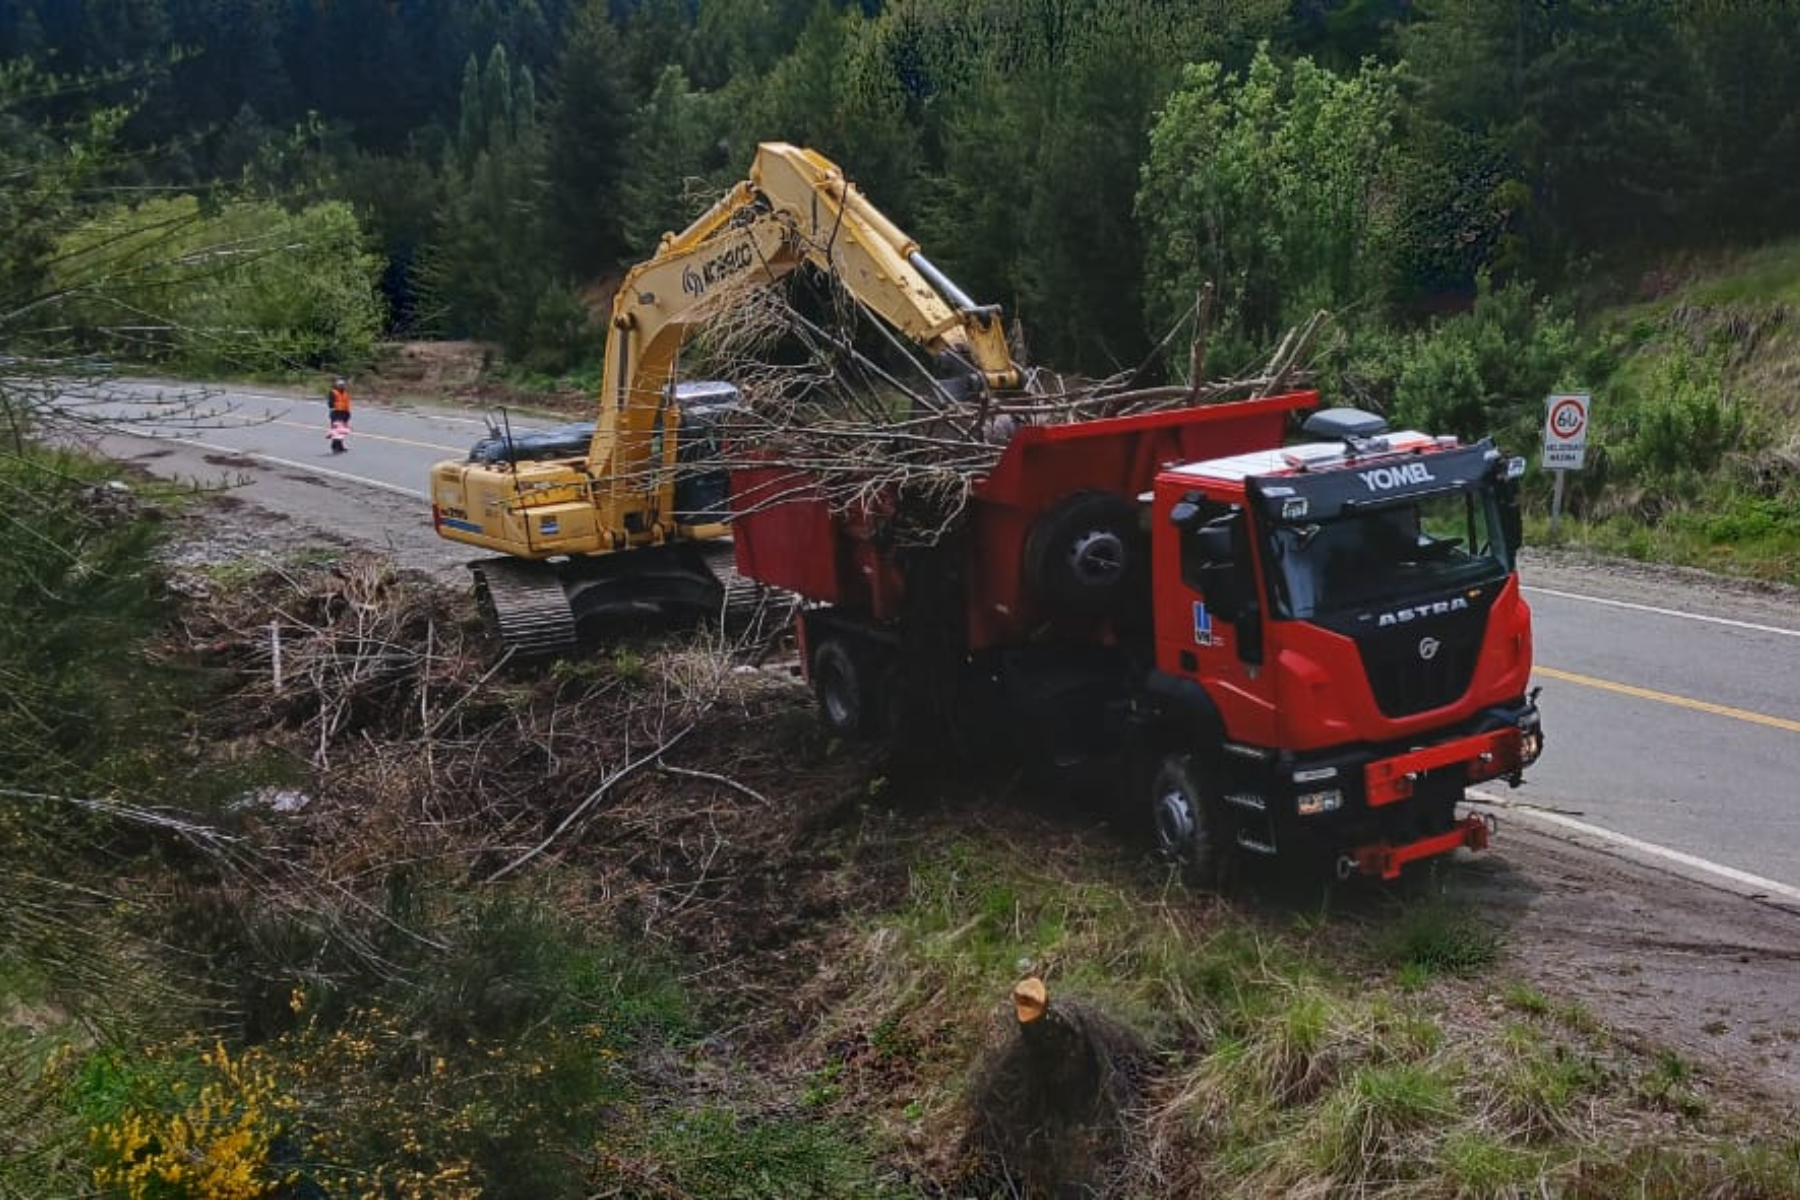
{"x": 536, "y": 609}
{"x": 746, "y": 602}
{"x": 525, "y": 606}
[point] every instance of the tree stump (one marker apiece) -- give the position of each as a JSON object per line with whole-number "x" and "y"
{"x": 1051, "y": 1108}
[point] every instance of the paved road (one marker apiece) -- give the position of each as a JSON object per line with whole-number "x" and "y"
{"x": 392, "y": 447}
{"x": 270, "y": 447}
{"x": 1673, "y": 711}
{"x": 1672, "y": 703}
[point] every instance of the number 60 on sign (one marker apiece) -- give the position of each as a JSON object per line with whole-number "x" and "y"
{"x": 1565, "y": 431}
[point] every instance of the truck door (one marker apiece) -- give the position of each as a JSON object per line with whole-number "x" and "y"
{"x": 1211, "y": 622}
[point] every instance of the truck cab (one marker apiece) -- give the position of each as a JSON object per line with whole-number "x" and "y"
{"x": 1340, "y": 624}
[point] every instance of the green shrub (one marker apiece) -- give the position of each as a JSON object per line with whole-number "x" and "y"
{"x": 515, "y": 964}
{"x": 1680, "y": 424}
{"x": 76, "y": 594}
{"x": 1487, "y": 372}
{"x": 491, "y": 1065}
{"x": 1752, "y": 520}
{"x": 248, "y": 287}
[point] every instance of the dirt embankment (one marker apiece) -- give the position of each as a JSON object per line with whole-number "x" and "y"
{"x": 452, "y": 373}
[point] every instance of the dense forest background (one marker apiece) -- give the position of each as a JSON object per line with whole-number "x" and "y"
{"x": 1463, "y": 184}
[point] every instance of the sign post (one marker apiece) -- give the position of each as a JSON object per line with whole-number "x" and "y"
{"x": 1565, "y": 442}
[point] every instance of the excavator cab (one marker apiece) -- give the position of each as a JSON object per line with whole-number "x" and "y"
{"x": 702, "y": 493}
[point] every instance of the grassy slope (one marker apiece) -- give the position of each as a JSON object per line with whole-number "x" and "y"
{"x": 1723, "y": 331}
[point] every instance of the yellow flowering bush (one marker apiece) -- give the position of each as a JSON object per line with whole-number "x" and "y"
{"x": 383, "y": 1121}
{"x": 214, "y": 1146}
{"x": 493, "y": 1071}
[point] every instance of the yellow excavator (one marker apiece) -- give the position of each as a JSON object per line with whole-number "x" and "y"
{"x": 620, "y": 515}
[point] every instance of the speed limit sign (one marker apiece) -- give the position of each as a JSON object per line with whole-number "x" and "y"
{"x": 1565, "y": 432}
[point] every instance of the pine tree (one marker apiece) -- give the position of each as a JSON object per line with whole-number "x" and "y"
{"x": 587, "y": 128}
{"x": 485, "y": 272}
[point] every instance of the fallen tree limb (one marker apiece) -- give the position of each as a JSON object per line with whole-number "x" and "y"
{"x": 594, "y": 797}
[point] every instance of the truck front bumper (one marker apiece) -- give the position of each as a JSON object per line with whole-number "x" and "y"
{"x": 1502, "y": 750}
{"x": 1505, "y": 741}
{"x": 1374, "y": 808}
{"x": 1386, "y": 861}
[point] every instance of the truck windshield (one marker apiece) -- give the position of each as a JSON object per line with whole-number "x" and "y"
{"x": 1368, "y": 556}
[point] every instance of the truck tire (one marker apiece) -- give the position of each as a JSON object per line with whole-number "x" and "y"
{"x": 1185, "y": 820}
{"x": 1082, "y": 557}
{"x": 847, "y": 687}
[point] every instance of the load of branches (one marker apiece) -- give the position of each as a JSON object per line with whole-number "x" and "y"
{"x": 860, "y": 418}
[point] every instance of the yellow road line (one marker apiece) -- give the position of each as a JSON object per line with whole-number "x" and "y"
{"x": 356, "y": 433}
{"x": 1625, "y": 689}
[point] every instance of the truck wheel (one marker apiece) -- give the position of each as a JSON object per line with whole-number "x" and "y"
{"x": 845, "y": 685}
{"x": 1082, "y": 556}
{"x": 1185, "y": 820}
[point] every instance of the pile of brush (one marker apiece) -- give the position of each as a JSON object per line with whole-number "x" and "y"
{"x": 863, "y": 420}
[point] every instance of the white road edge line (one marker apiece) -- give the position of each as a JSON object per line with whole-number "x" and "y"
{"x": 1757, "y": 885}
{"x": 410, "y": 493}
{"x": 1664, "y": 612}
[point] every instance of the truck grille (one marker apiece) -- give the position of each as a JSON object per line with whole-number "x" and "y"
{"x": 1406, "y": 681}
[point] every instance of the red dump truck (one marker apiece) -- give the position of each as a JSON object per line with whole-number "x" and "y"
{"x": 1307, "y": 646}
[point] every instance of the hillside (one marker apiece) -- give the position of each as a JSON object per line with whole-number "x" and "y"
{"x": 1697, "y": 418}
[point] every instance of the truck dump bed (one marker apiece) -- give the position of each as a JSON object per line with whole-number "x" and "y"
{"x": 787, "y": 536}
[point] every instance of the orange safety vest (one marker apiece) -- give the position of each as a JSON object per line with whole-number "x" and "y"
{"x": 340, "y": 401}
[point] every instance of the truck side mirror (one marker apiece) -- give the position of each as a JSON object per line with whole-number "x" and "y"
{"x": 1506, "y": 491}
{"x": 1221, "y": 575}
{"x": 1184, "y": 515}
{"x": 1507, "y": 474}
{"x": 1512, "y": 521}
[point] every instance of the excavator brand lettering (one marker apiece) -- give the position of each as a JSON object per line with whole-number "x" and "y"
{"x": 1383, "y": 478}
{"x": 722, "y": 266}
{"x": 1402, "y": 616}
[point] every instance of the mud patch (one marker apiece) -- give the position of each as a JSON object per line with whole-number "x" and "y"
{"x": 1674, "y": 964}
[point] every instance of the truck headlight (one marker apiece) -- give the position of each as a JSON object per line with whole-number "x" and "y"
{"x": 1531, "y": 736}
{"x": 1531, "y": 744}
{"x": 1311, "y": 804}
